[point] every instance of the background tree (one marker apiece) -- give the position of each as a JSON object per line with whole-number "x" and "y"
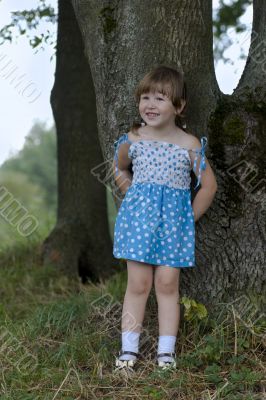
{"x": 37, "y": 160}
{"x": 80, "y": 241}
{"x": 30, "y": 176}
{"x": 25, "y": 195}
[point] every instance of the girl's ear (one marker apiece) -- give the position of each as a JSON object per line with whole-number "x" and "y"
{"x": 181, "y": 108}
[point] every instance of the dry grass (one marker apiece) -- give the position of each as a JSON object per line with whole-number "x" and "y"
{"x": 59, "y": 340}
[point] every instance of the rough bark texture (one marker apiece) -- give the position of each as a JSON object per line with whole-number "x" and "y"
{"x": 80, "y": 242}
{"x": 237, "y": 139}
{"x": 123, "y": 40}
{"x": 122, "y": 44}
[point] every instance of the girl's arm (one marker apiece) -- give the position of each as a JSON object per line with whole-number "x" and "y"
{"x": 123, "y": 179}
{"x": 123, "y": 160}
{"x": 206, "y": 194}
{"x": 205, "y": 175}
{"x": 122, "y": 175}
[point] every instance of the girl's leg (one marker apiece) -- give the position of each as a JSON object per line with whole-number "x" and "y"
{"x": 140, "y": 279}
{"x": 166, "y": 284}
{"x": 139, "y": 284}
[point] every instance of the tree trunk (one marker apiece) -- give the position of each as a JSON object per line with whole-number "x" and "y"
{"x": 237, "y": 139}
{"x": 121, "y": 45}
{"x": 123, "y": 40}
{"x": 80, "y": 242}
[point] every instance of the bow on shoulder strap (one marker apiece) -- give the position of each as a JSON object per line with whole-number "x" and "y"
{"x": 200, "y": 152}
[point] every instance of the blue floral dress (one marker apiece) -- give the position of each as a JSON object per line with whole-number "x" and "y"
{"x": 155, "y": 222}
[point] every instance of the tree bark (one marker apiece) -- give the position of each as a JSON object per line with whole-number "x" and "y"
{"x": 123, "y": 40}
{"x": 80, "y": 242}
{"x": 237, "y": 139}
{"x": 121, "y": 45}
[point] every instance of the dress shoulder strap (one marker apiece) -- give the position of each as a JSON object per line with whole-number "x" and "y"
{"x": 122, "y": 139}
{"x": 200, "y": 152}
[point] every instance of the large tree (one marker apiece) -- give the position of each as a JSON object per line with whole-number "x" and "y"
{"x": 80, "y": 242}
{"x": 125, "y": 39}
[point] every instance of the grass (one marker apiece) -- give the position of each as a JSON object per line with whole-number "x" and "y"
{"x": 59, "y": 338}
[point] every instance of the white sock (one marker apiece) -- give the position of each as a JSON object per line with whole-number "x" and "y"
{"x": 166, "y": 345}
{"x": 130, "y": 342}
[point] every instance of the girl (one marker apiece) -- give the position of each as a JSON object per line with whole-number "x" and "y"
{"x": 155, "y": 225}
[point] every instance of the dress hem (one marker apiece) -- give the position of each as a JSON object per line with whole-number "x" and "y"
{"x": 180, "y": 265}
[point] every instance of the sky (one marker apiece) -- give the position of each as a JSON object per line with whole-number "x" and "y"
{"x": 23, "y": 104}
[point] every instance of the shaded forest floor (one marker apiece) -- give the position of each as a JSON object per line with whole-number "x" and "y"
{"x": 59, "y": 340}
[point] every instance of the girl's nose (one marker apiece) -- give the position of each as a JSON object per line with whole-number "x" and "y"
{"x": 151, "y": 103}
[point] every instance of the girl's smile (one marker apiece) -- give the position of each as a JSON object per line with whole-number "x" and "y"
{"x": 157, "y": 110}
{"x": 152, "y": 115}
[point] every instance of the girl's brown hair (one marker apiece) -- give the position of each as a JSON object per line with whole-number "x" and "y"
{"x": 168, "y": 81}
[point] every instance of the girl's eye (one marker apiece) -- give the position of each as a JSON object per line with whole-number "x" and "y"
{"x": 147, "y": 97}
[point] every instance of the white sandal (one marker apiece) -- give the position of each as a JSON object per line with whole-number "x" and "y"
{"x": 125, "y": 365}
{"x": 167, "y": 364}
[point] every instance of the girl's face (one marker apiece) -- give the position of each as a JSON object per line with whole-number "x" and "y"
{"x": 157, "y": 110}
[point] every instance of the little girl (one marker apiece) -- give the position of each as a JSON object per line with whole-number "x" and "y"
{"x": 155, "y": 225}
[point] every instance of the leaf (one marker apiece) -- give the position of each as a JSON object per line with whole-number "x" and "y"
{"x": 193, "y": 310}
{"x": 202, "y": 311}
{"x": 35, "y": 41}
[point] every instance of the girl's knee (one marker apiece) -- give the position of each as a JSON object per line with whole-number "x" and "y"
{"x": 166, "y": 285}
{"x": 140, "y": 278}
{"x": 139, "y": 287}
{"x": 166, "y": 288}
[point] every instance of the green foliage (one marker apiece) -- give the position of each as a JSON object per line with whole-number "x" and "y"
{"x": 20, "y": 186}
{"x": 193, "y": 310}
{"x": 227, "y": 16}
{"x": 25, "y": 198}
{"x": 244, "y": 378}
{"x": 116, "y": 285}
{"x": 26, "y": 21}
{"x": 58, "y": 319}
{"x": 189, "y": 360}
{"x": 154, "y": 393}
{"x": 211, "y": 349}
{"x": 213, "y": 373}
{"x": 38, "y": 161}
{"x": 30, "y": 179}
{"x": 234, "y": 360}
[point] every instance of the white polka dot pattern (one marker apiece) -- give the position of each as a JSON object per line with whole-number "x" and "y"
{"x": 155, "y": 222}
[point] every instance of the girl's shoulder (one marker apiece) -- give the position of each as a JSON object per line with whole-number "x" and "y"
{"x": 126, "y": 137}
{"x": 188, "y": 140}
{"x": 193, "y": 143}
{"x": 133, "y": 136}
{"x": 134, "y": 133}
